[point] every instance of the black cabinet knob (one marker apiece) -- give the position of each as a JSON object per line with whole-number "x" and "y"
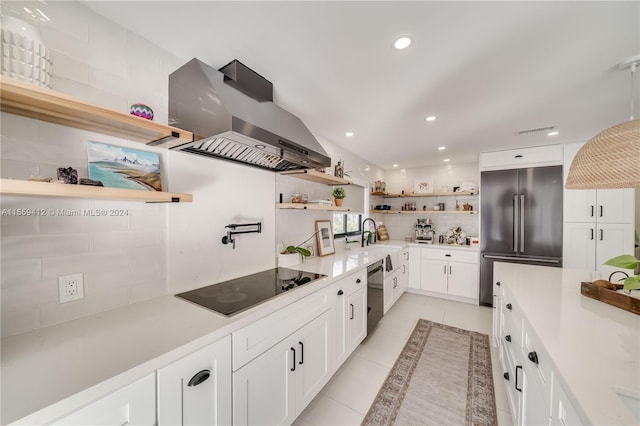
{"x": 509, "y": 307}
{"x": 498, "y": 283}
{"x": 199, "y": 377}
{"x": 507, "y": 337}
{"x": 358, "y": 281}
{"x": 533, "y": 357}
{"x": 506, "y": 375}
{"x": 340, "y": 292}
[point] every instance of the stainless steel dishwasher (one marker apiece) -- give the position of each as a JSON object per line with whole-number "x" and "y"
{"x": 375, "y": 301}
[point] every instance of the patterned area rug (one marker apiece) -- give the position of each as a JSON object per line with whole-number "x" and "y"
{"x": 442, "y": 377}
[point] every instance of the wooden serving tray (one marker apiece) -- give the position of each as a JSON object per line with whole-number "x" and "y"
{"x": 611, "y": 297}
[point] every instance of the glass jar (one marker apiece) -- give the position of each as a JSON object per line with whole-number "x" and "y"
{"x": 296, "y": 197}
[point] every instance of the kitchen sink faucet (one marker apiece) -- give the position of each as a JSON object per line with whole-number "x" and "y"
{"x": 375, "y": 231}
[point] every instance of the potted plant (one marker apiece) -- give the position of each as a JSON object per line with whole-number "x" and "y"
{"x": 294, "y": 255}
{"x": 338, "y": 194}
{"x": 626, "y": 261}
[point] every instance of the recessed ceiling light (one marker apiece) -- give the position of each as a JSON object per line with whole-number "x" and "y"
{"x": 446, "y": 160}
{"x": 402, "y": 42}
{"x": 442, "y": 148}
{"x": 395, "y": 165}
{"x": 260, "y": 146}
{"x": 403, "y": 170}
{"x": 349, "y": 134}
{"x": 554, "y": 133}
{"x": 431, "y": 118}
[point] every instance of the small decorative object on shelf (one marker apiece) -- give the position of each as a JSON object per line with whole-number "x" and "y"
{"x": 68, "y": 175}
{"x": 39, "y": 179}
{"x": 24, "y": 57}
{"x": 338, "y": 195}
{"x": 339, "y": 170}
{"x": 379, "y": 186}
{"x": 141, "y": 110}
{"x": 90, "y": 182}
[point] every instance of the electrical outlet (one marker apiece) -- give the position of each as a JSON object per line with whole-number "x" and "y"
{"x": 70, "y": 287}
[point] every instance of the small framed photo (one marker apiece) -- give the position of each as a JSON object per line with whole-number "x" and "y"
{"x": 423, "y": 185}
{"x": 324, "y": 237}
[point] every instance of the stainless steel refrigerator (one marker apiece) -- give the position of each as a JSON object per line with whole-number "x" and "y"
{"x": 521, "y": 220}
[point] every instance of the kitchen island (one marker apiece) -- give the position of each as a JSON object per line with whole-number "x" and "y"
{"x": 565, "y": 343}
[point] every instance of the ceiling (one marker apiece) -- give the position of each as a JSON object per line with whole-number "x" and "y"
{"x": 486, "y": 69}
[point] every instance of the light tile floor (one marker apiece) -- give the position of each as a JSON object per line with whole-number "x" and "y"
{"x": 348, "y": 396}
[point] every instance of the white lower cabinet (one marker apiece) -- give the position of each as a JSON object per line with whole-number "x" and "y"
{"x": 414, "y": 268}
{"x": 277, "y": 385}
{"x": 535, "y": 396}
{"x": 134, "y": 404}
{"x": 350, "y": 315}
{"x": 449, "y": 272}
{"x": 196, "y": 389}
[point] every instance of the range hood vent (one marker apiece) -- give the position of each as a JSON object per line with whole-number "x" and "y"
{"x": 232, "y": 116}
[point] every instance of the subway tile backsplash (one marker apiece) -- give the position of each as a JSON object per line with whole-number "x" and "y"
{"x": 122, "y": 258}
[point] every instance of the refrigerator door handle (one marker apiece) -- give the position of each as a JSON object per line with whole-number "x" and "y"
{"x": 521, "y": 223}
{"x": 520, "y": 259}
{"x": 516, "y": 217}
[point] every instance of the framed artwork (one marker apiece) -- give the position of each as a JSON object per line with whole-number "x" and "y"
{"x": 324, "y": 236}
{"x": 423, "y": 185}
{"x": 120, "y": 167}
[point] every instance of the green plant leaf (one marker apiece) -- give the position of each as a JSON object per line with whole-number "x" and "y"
{"x": 632, "y": 283}
{"x": 302, "y": 251}
{"x": 625, "y": 261}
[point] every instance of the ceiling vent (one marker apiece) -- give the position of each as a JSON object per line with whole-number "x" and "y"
{"x": 539, "y": 129}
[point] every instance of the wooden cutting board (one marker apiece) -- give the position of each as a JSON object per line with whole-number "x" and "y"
{"x": 383, "y": 234}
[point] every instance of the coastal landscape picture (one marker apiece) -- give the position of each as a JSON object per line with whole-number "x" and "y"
{"x": 120, "y": 167}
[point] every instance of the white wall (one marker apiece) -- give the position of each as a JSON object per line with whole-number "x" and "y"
{"x": 401, "y": 226}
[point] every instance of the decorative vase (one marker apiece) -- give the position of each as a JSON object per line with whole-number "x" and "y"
{"x": 338, "y": 202}
{"x": 24, "y": 57}
{"x": 141, "y": 110}
{"x": 286, "y": 260}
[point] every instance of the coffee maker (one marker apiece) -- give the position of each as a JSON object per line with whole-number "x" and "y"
{"x": 425, "y": 234}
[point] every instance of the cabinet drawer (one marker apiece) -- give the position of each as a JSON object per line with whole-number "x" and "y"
{"x": 444, "y": 254}
{"x": 254, "y": 339}
{"x": 533, "y": 351}
{"x": 548, "y": 155}
{"x": 354, "y": 281}
{"x": 134, "y": 404}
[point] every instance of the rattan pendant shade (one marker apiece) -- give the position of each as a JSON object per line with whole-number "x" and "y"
{"x": 610, "y": 160}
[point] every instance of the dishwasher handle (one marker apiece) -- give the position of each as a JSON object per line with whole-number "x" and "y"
{"x": 374, "y": 271}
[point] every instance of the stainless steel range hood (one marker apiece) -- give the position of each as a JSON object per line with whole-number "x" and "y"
{"x": 233, "y": 117}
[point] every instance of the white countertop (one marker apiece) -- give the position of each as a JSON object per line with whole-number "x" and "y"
{"x": 594, "y": 347}
{"x": 77, "y": 362}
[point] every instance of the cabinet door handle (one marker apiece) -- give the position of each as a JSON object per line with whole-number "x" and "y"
{"x": 506, "y": 376}
{"x": 447, "y": 255}
{"x": 340, "y": 292}
{"x": 404, "y": 269}
{"x": 592, "y": 210}
{"x": 351, "y": 304}
{"x": 358, "y": 281}
{"x": 517, "y": 388}
{"x": 601, "y": 235}
{"x": 507, "y": 338}
{"x": 449, "y": 269}
{"x": 294, "y": 359}
{"x": 601, "y": 210}
{"x": 445, "y": 270}
{"x": 509, "y": 307}
{"x": 301, "y": 353}
{"x": 199, "y": 377}
{"x": 592, "y": 236}
{"x": 533, "y": 357}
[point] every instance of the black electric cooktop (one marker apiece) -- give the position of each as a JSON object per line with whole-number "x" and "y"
{"x": 234, "y": 296}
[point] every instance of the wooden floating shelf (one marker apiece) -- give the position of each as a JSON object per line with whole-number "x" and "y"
{"x": 302, "y": 206}
{"x": 432, "y": 194}
{"x": 424, "y": 212}
{"x": 316, "y": 176}
{"x": 25, "y": 99}
{"x": 27, "y": 188}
